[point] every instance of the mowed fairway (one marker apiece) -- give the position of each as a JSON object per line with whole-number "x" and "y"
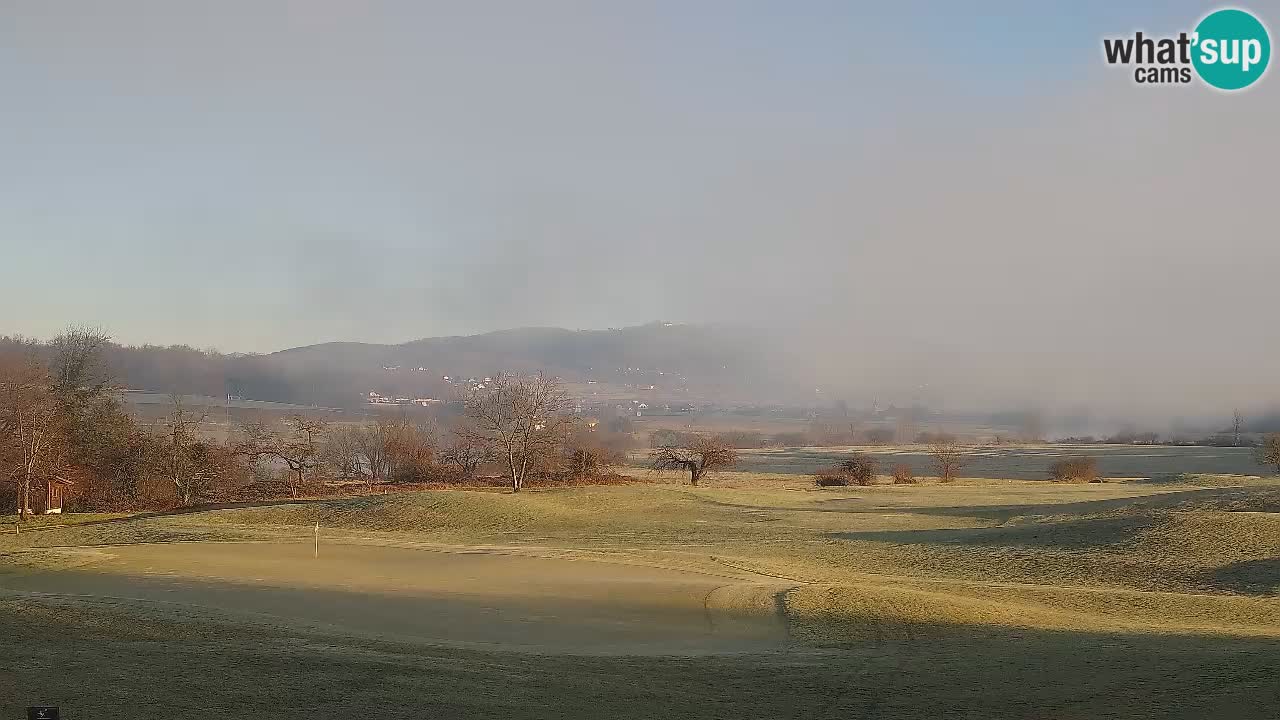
{"x": 745, "y": 598}
{"x": 477, "y": 598}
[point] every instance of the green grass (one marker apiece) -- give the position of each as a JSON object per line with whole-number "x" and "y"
{"x": 100, "y": 664}
{"x": 976, "y": 599}
{"x": 40, "y": 522}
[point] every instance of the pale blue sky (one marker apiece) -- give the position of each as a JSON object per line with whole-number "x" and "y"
{"x": 259, "y": 174}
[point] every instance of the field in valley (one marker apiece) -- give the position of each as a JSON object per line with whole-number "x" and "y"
{"x": 753, "y": 596}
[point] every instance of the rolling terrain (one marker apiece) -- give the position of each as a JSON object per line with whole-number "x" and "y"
{"x": 754, "y": 596}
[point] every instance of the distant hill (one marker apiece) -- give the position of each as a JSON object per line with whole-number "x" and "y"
{"x": 696, "y": 361}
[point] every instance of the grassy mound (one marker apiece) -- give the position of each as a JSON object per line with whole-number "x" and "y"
{"x": 408, "y": 512}
{"x": 659, "y": 515}
{"x": 878, "y": 612}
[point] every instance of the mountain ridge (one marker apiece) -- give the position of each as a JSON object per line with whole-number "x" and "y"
{"x": 714, "y": 359}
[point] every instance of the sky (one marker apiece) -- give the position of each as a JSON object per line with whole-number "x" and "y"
{"x": 954, "y": 193}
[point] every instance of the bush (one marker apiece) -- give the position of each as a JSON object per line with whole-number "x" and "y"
{"x": 902, "y": 474}
{"x": 1077, "y": 469}
{"x": 585, "y": 458}
{"x": 830, "y": 478}
{"x": 860, "y": 467}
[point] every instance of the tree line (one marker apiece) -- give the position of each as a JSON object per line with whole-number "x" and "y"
{"x": 62, "y": 420}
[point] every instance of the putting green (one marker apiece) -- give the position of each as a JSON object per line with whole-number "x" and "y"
{"x": 478, "y": 598}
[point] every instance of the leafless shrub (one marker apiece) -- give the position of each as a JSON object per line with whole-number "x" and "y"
{"x": 831, "y": 477}
{"x": 860, "y": 467}
{"x": 588, "y": 453}
{"x": 1077, "y": 470}
{"x": 903, "y": 475}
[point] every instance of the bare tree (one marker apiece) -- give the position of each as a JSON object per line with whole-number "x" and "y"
{"x": 31, "y": 425}
{"x": 949, "y": 455}
{"x": 466, "y": 452}
{"x": 181, "y": 436}
{"x": 523, "y": 418}
{"x": 1237, "y": 427}
{"x": 701, "y": 456}
{"x": 372, "y": 442}
{"x": 1268, "y": 452}
{"x": 80, "y": 372}
{"x": 343, "y": 454}
{"x": 408, "y": 447}
{"x": 299, "y": 448}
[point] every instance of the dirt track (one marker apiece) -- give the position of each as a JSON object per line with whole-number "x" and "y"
{"x": 471, "y": 598}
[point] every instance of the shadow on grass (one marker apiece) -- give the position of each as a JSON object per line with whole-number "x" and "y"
{"x": 397, "y": 594}
{"x": 950, "y": 672}
{"x": 1080, "y": 534}
{"x": 1004, "y": 513}
{"x": 872, "y": 504}
{"x": 1254, "y": 577}
{"x": 175, "y": 512}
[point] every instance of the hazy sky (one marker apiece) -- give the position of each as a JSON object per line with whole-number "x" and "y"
{"x": 936, "y": 185}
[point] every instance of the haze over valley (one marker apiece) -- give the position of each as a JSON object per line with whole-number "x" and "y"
{"x": 649, "y": 360}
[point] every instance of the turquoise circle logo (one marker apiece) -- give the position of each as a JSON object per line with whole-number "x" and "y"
{"x": 1232, "y": 49}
